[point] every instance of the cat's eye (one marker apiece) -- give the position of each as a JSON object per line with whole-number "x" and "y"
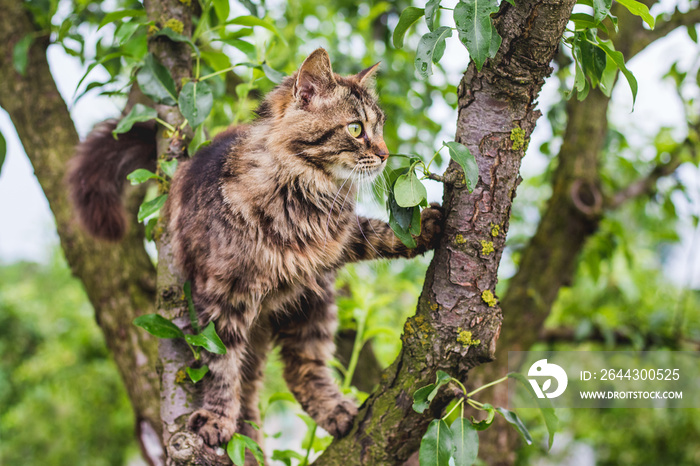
{"x": 355, "y": 129}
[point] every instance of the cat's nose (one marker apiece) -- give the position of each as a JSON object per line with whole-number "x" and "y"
{"x": 381, "y": 151}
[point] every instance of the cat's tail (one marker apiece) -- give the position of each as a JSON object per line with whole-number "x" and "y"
{"x": 97, "y": 173}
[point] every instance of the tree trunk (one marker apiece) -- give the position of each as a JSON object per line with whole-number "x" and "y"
{"x": 119, "y": 279}
{"x": 572, "y": 216}
{"x": 496, "y": 118}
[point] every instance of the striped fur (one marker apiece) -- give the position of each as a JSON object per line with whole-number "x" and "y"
{"x": 261, "y": 220}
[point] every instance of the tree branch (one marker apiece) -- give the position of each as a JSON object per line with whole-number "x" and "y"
{"x": 647, "y": 185}
{"x": 662, "y": 29}
{"x": 549, "y": 260}
{"x": 177, "y": 394}
{"x": 633, "y": 37}
{"x": 119, "y": 279}
{"x": 457, "y": 295}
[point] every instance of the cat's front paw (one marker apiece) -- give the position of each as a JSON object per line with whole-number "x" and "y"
{"x": 431, "y": 220}
{"x": 339, "y": 421}
{"x": 215, "y": 430}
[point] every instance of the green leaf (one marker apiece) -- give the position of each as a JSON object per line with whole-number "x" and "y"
{"x": 3, "y": 150}
{"x": 437, "y": 445}
{"x": 409, "y": 191}
{"x": 483, "y": 425}
{"x": 20, "y": 53}
{"x": 196, "y": 101}
{"x": 158, "y": 326}
{"x": 197, "y": 374}
{"x": 252, "y": 21}
{"x": 119, "y": 15}
{"x": 607, "y": 80}
{"x": 420, "y": 398}
{"x": 138, "y": 113}
{"x": 152, "y": 222}
{"x": 400, "y": 221}
{"x": 466, "y": 442}
{"x": 496, "y": 41}
{"x": 431, "y": 9}
{"x": 619, "y": 60}
{"x": 156, "y": 82}
{"x": 461, "y": 154}
{"x": 408, "y": 16}
{"x": 125, "y": 31}
{"x": 169, "y": 167}
{"x": 286, "y": 456}
{"x": 593, "y": 61}
{"x": 198, "y": 141}
{"x": 273, "y": 75}
{"x": 442, "y": 378}
{"x": 194, "y": 321}
{"x": 151, "y": 207}
{"x": 638, "y": 9}
{"x": 580, "y": 82}
{"x": 473, "y": 21}
{"x": 141, "y": 175}
{"x": 601, "y": 8}
{"x": 513, "y": 419}
{"x": 222, "y": 8}
{"x": 250, "y": 6}
{"x": 236, "y": 450}
{"x": 177, "y": 37}
{"x": 439, "y": 51}
{"x": 512, "y": 2}
{"x": 424, "y": 395}
{"x": 101, "y": 61}
{"x": 584, "y": 21}
{"x": 550, "y": 418}
{"x": 208, "y": 340}
{"x": 281, "y": 396}
{"x": 243, "y": 46}
{"x": 426, "y": 49}
{"x": 414, "y": 227}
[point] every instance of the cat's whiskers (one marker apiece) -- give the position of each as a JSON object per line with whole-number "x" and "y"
{"x": 330, "y": 212}
{"x": 348, "y": 194}
{"x": 365, "y": 237}
{"x": 365, "y": 182}
{"x": 367, "y": 187}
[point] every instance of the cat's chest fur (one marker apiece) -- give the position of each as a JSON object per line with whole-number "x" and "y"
{"x": 248, "y": 233}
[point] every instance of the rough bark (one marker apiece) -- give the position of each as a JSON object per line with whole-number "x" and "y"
{"x": 119, "y": 278}
{"x": 496, "y": 118}
{"x": 572, "y": 216}
{"x": 177, "y": 394}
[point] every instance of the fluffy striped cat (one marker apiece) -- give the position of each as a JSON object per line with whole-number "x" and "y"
{"x": 261, "y": 220}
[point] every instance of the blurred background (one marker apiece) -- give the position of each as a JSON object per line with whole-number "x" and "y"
{"x": 634, "y": 285}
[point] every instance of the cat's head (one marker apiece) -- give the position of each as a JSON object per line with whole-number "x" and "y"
{"x": 328, "y": 122}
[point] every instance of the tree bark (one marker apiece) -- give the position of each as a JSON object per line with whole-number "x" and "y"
{"x": 496, "y": 118}
{"x": 572, "y": 216}
{"x": 119, "y": 278}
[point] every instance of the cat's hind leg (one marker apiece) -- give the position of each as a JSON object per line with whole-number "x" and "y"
{"x": 249, "y": 422}
{"x": 305, "y": 333}
{"x": 217, "y": 419}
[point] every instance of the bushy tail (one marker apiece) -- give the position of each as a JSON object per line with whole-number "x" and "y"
{"x": 97, "y": 174}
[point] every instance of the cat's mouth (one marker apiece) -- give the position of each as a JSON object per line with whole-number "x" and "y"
{"x": 360, "y": 171}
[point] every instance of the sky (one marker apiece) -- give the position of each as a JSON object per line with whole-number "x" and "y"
{"x": 27, "y": 231}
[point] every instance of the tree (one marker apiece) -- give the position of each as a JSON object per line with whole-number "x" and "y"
{"x": 496, "y": 117}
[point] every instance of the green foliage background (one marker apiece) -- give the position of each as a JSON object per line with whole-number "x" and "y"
{"x": 61, "y": 400}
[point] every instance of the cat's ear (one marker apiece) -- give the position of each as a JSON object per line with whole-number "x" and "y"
{"x": 364, "y": 76}
{"x": 315, "y": 76}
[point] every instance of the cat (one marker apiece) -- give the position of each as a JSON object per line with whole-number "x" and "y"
{"x": 260, "y": 222}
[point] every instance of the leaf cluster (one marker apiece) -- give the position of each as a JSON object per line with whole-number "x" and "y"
{"x": 459, "y": 441}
